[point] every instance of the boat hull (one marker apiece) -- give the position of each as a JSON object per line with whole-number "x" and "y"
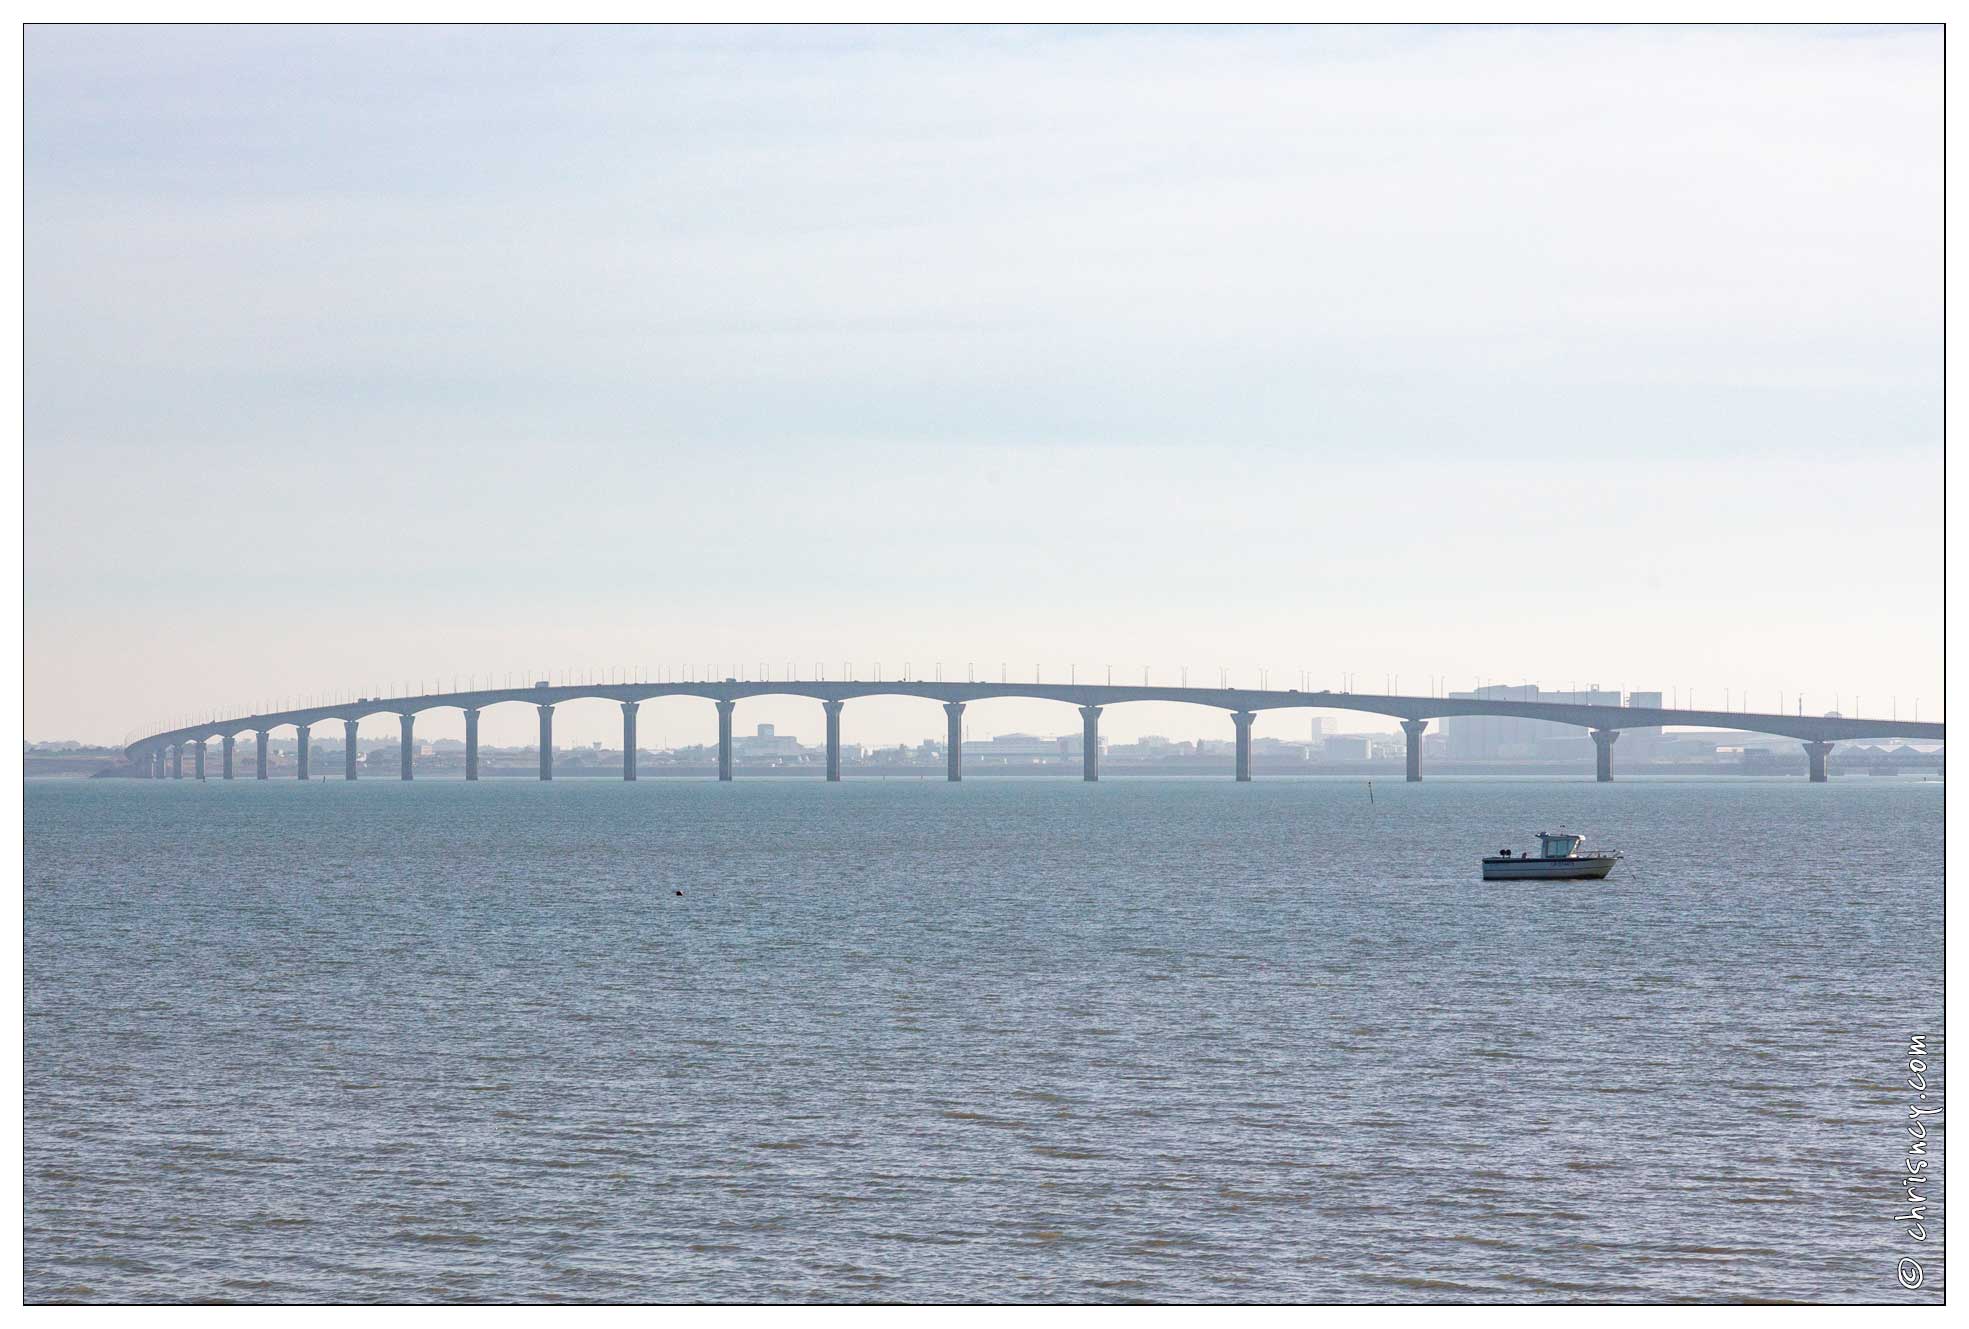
{"x": 1548, "y": 869}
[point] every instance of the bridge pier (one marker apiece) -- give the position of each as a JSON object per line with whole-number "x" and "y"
{"x": 1414, "y": 728}
{"x": 725, "y": 739}
{"x": 350, "y": 752}
{"x": 833, "y": 709}
{"x": 629, "y": 739}
{"x": 1816, "y": 751}
{"x": 954, "y": 740}
{"x": 259, "y": 754}
{"x": 225, "y": 756}
{"x": 155, "y": 764}
{"x": 177, "y": 761}
{"x": 301, "y": 751}
{"x": 546, "y": 742}
{"x": 472, "y": 744}
{"x": 1603, "y": 741}
{"x": 406, "y": 747}
{"x": 1090, "y": 743}
{"x": 1242, "y": 720}
{"x": 198, "y": 760}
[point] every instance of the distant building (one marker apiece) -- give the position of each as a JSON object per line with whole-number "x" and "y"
{"x": 1508, "y": 737}
{"x": 765, "y": 742}
{"x": 1639, "y": 744}
{"x": 1014, "y": 748}
{"x": 1280, "y": 748}
{"x": 1150, "y": 747}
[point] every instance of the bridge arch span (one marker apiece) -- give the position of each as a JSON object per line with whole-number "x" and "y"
{"x": 1817, "y": 733}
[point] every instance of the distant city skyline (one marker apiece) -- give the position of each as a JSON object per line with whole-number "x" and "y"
{"x": 1580, "y": 356}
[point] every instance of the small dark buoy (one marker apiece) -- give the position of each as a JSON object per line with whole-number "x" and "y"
{"x": 680, "y": 892}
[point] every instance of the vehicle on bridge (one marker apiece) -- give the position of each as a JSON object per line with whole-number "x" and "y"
{"x": 1558, "y": 859}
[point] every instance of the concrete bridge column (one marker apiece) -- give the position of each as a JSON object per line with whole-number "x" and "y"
{"x": 833, "y": 709}
{"x": 954, "y": 740}
{"x": 1414, "y": 728}
{"x": 725, "y": 739}
{"x": 1090, "y": 743}
{"x": 154, "y": 764}
{"x": 629, "y": 739}
{"x": 1242, "y": 720}
{"x": 407, "y": 747}
{"x": 225, "y": 756}
{"x": 177, "y": 761}
{"x": 349, "y": 750}
{"x": 198, "y": 760}
{"x": 471, "y": 745}
{"x": 1603, "y": 741}
{"x": 301, "y": 750}
{"x": 1816, "y": 752}
{"x": 546, "y": 742}
{"x": 259, "y": 754}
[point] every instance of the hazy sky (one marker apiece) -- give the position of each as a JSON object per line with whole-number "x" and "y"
{"x": 359, "y": 356}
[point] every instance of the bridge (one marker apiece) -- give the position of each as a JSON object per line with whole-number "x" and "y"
{"x": 152, "y": 754}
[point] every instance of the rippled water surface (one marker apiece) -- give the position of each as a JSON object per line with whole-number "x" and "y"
{"x": 1004, "y": 1040}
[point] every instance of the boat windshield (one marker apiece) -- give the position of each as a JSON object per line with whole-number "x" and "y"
{"x": 1557, "y": 846}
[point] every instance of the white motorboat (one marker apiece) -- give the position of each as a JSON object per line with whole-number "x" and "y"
{"x": 1558, "y": 859}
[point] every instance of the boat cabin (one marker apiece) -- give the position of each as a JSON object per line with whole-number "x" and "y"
{"x": 1561, "y": 845}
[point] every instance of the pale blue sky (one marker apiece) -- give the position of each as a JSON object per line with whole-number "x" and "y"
{"x": 360, "y": 355}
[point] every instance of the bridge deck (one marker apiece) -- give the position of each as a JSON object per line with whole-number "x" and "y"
{"x": 1806, "y": 728}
